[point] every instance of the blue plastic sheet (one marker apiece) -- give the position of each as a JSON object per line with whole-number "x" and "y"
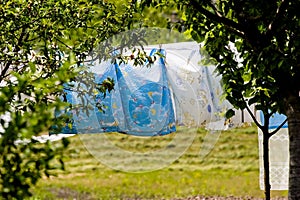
{"x": 140, "y": 104}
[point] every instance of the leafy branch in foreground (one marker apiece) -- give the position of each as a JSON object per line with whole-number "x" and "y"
{"x": 254, "y": 44}
{"x": 42, "y": 47}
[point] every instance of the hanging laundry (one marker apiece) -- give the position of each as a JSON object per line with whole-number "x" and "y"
{"x": 146, "y": 101}
{"x": 140, "y": 104}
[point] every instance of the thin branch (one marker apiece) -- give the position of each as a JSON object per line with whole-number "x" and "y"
{"x": 279, "y": 15}
{"x": 33, "y": 39}
{"x": 279, "y": 127}
{"x": 230, "y": 24}
{"x": 17, "y": 48}
{"x": 253, "y": 117}
{"x": 215, "y": 9}
{"x": 64, "y": 43}
{"x": 120, "y": 48}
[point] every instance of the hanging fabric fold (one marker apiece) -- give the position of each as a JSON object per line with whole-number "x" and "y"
{"x": 140, "y": 103}
{"x": 175, "y": 91}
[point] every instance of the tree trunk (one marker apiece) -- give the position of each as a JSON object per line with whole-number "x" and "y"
{"x": 293, "y": 114}
{"x": 266, "y": 163}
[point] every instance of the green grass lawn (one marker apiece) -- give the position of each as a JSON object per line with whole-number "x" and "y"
{"x": 230, "y": 169}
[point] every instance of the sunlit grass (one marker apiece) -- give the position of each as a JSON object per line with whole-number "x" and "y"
{"x": 231, "y": 168}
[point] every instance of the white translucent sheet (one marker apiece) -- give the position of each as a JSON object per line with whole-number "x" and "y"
{"x": 279, "y": 160}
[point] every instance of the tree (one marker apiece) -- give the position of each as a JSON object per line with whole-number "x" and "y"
{"x": 43, "y": 45}
{"x": 255, "y": 46}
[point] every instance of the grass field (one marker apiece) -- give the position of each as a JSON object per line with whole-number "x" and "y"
{"x": 230, "y": 169}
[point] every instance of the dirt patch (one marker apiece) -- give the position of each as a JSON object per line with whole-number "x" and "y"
{"x": 228, "y": 198}
{"x": 68, "y": 193}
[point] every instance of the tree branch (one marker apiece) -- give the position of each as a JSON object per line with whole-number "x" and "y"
{"x": 279, "y": 15}
{"x": 279, "y": 127}
{"x": 230, "y": 24}
{"x": 17, "y": 48}
{"x": 253, "y": 117}
{"x": 63, "y": 43}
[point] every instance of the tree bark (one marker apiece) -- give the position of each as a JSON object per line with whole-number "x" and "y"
{"x": 266, "y": 164}
{"x": 293, "y": 114}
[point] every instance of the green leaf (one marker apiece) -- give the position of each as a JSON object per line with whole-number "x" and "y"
{"x": 246, "y": 77}
{"x": 230, "y": 113}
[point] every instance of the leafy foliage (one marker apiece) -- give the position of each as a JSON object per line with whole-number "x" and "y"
{"x": 42, "y": 47}
{"x": 254, "y": 44}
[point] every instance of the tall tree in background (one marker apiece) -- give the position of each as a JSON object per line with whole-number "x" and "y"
{"x": 255, "y": 45}
{"x": 42, "y": 46}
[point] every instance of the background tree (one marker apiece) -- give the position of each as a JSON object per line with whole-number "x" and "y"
{"x": 255, "y": 46}
{"x": 42, "y": 46}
